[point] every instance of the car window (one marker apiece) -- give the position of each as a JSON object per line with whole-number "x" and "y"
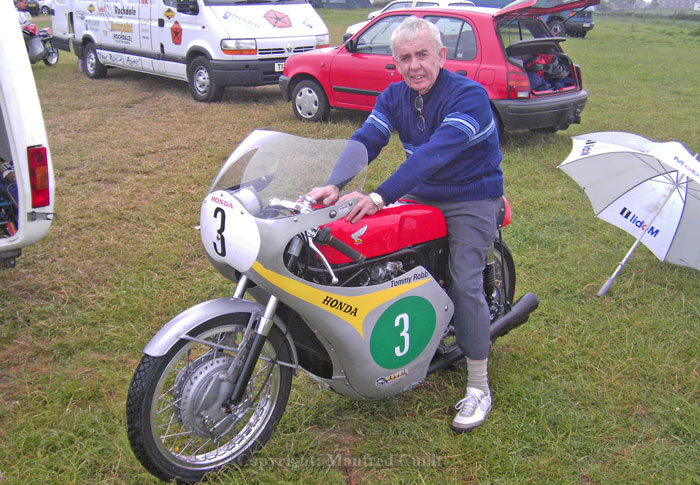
{"x": 377, "y": 38}
{"x": 516, "y": 30}
{"x": 457, "y": 35}
{"x": 394, "y": 6}
{"x": 426, "y": 4}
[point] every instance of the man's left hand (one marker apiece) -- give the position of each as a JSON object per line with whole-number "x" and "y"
{"x": 363, "y": 207}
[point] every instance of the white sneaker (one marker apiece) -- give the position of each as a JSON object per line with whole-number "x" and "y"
{"x": 473, "y": 410}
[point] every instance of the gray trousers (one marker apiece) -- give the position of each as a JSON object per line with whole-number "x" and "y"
{"x": 471, "y": 228}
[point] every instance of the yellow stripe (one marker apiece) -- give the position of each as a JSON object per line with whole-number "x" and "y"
{"x": 362, "y": 303}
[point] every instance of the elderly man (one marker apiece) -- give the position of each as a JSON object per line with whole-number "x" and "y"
{"x": 448, "y": 131}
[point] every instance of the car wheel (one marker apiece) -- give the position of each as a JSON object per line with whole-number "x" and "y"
{"x": 558, "y": 28}
{"x": 309, "y": 102}
{"x": 45, "y": 10}
{"x": 201, "y": 81}
{"x": 93, "y": 67}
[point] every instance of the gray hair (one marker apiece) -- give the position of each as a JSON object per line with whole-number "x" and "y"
{"x": 409, "y": 30}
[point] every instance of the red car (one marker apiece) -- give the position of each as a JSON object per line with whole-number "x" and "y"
{"x": 532, "y": 83}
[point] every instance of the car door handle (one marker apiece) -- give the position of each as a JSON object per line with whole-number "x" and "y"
{"x": 462, "y": 72}
{"x": 161, "y": 23}
{"x": 390, "y": 66}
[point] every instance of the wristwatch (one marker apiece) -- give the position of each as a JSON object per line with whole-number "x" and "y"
{"x": 377, "y": 199}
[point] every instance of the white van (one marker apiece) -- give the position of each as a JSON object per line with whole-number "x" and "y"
{"x": 26, "y": 173}
{"x": 210, "y": 44}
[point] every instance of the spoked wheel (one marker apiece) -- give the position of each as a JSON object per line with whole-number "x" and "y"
{"x": 499, "y": 281}
{"x": 51, "y": 57}
{"x": 176, "y": 424}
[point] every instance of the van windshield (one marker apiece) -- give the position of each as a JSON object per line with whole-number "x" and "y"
{"x": 249, "y": 2}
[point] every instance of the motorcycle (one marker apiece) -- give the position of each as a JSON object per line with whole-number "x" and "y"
{"x": 40, "y": 45}
{"x": 361, "y": 308}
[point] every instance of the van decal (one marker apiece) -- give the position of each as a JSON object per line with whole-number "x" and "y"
{"x": 176, "y": 33}
{"x": 169, "y": 13}
{"x": 278, "y": 20}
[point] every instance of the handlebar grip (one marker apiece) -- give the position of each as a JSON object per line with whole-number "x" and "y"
{"x": 324, "y": 237}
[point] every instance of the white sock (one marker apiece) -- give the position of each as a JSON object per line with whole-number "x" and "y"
{"x": 478, "y": 374}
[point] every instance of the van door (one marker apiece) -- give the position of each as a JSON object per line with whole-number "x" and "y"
{"x": 124, "y": 38}
{"x": 62, "y": 23}
{"x": 173, "y": 32}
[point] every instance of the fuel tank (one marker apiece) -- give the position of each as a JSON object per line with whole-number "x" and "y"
{"x": 397, "y": 226}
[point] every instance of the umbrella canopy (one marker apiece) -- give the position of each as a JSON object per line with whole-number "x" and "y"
{"x": 650, "y": 190}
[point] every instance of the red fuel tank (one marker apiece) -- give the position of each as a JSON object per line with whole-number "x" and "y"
{"x": 389, "y": 230}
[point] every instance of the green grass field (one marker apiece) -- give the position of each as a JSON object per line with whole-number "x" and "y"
{"x": 589, "y": 391}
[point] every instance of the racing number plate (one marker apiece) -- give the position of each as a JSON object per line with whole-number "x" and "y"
{"x": 279, "y": 66}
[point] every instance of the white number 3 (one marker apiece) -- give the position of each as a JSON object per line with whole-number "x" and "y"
{"x": 402, "y": 320}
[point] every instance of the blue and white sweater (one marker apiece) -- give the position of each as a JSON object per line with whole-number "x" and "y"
{"x": 456, "y": 158}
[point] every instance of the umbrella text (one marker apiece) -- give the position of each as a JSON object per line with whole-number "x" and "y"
{"x": 626, "y": 213}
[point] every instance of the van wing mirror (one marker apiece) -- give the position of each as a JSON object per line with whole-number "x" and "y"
{"x": 189, "y": 7}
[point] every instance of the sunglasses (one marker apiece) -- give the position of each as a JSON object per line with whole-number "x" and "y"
{"x": 418, "y": 104}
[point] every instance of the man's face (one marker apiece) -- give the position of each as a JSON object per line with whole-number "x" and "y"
{"x": 419, "y": 61}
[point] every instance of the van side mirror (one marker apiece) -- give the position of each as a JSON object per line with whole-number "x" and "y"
{"x": 188, "y": 7}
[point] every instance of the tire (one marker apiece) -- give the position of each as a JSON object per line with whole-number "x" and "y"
{"x": 201, "y": 81}
{"x": 45, "y": 10}
{"x": 504, "y": 281}
{"x": 51, "y": 57}
{"x": 558, "y": 28}
{"x": 309, "y": 102}
{"x": 93, "y": 67}
{"x": 168, "y": 429}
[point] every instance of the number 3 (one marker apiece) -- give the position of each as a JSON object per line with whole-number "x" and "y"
{"x": 402, "y": 320}
{"x": 221, "y": 250}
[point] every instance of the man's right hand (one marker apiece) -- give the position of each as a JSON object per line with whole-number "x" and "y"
{"x": 324, "y": 195}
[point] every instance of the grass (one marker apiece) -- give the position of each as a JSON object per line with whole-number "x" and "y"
{"x": 589, "y": 391}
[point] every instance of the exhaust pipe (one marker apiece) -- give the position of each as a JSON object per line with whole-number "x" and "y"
{"x": 518, "y": 315}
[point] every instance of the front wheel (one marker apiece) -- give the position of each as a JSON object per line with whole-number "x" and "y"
{"x": 176, "y": 424}
{"x": 201, "y": 81}
{"x": 309, "y": 102}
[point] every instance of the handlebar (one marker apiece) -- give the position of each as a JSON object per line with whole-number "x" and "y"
{"x": 324, "y": 237}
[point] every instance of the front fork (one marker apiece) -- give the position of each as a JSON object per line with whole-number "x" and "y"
{"x": 236, "y": 378}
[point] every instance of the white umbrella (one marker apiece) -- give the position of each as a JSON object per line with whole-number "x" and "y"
{"x": 650, "y": 190}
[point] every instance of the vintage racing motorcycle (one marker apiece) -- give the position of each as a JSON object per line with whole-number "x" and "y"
{"x": 362, "y": 308}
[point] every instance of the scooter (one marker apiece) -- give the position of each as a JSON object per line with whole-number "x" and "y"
{"x": 361, "y": 308}
{"x": 40, "y": 45}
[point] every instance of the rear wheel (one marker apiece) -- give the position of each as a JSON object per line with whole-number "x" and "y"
{"x": 176, "y": 424}
{"x": 499, "y": 280}
{"x": 51, "y": 57}
{"x": 309, "y": 102}
{"x": 93, "y": 67}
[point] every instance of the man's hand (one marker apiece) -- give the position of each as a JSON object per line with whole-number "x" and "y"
{"x": 324, "y": 195}
{"x": 363, "y": 207}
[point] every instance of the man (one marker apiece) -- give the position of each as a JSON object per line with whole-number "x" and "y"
{"x": 446, "y": 126}
{"x": 22, "y": 15}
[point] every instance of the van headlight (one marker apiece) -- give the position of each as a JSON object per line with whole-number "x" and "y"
{"x": 323, "y": 41}
{"x": 239, "y": 47}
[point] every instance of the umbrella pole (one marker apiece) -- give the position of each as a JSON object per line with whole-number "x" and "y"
{"x": 606, "y": 287}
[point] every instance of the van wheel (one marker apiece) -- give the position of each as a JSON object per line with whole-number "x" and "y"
{"x": 200, "y": 79}
{"x": 558, "y": 28}
{"x": 93, "y": 67}
{"x": 309, "y": 102}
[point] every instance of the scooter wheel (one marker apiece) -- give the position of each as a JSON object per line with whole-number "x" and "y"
{"x": 51, "y": 57}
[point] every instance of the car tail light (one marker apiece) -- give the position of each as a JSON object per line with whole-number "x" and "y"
{"x": 518, "y": 85}
{"x": 38, "y": 175}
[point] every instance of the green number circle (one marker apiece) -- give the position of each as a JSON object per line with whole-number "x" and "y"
{"x": 402, "y": 332}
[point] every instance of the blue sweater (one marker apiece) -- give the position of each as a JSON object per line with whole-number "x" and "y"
{"x": 456, "y": 158}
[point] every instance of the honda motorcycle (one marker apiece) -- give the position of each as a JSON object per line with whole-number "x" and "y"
{"x": 362, "y": 308}
{"x": 40, "y": 45}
